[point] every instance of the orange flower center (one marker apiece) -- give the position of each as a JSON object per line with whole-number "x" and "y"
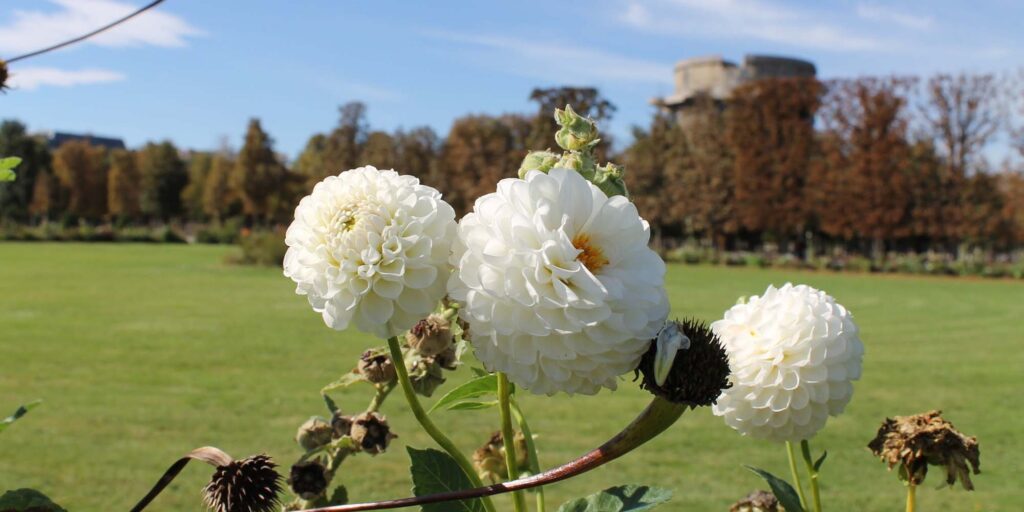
{"x": 590, "y": 255}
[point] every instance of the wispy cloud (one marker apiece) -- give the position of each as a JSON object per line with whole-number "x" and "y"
{"x": 35, "y": 77}
{"x": 886, "y": 14}
{"x": 30, "y": 30}
{"x": 753, "y": 19}
{"x": 558, "y": 62}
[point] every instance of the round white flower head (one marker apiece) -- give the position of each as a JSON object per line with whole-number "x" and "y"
{"x": 371, "y": 247}
{"x": 793, "y": 353}
{"x": 557, "y": 283}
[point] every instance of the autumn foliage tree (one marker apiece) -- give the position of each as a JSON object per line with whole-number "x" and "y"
{"x": 162, "y": 176}
{"x": 81, "y": 171}
{"x": 123, "y": 185}
{"x": 258, "y": 174}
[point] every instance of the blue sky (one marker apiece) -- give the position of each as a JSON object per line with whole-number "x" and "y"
{"x": 195, "y": 71}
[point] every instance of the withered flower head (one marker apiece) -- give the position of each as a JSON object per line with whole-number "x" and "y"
{"x": 308, "y": 479}
{"x": 699, "y": 373}
{"x": 757, "y": 501}
{"x": 314, "y": 433}
{"x": 915, "y": 442}
{"x": 489, "y": 459}
{"x": 375, "y": 364}
{"x": 341, "y": 425}
{"x": 430, "y": 336}
{"x": 246, "y": 485}
{"x": 371, "y": 432}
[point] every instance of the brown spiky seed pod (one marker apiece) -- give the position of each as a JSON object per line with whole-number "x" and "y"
{"x": 308, "y": 479}
{"x": 376, "y": 366}
{"x": 246, "y": 485}
{"x": 757, "y": 501}
{"x": 915, "y": 442}
{"x": 430, "y": 336}
{"x": 371, "y": 432}
{"x": 699, "y": 373}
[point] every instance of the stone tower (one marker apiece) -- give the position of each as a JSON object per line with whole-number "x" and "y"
{"x": 715, "y": 78}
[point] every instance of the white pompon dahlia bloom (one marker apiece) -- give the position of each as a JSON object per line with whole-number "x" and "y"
{"x": 793, "y": 353}
{"x": 371, "y": 247}
{"x": 557, "y": 283}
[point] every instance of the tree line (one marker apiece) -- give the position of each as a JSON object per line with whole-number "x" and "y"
{"x": 871, "y": 164}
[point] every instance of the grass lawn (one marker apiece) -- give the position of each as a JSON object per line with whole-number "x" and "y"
{"x": 143, "y": 352}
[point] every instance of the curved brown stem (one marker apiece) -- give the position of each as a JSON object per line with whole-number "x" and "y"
{"x": 654, "y": 420}
{"x": 208, "y": 454}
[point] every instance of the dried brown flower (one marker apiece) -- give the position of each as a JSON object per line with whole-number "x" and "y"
{"x": 371, "y": 432}
{"x": 758, "y": 501}
{"x": 314, "y": 433}
{"x": 341, "y": 425}
{"x": 246, "y": 485}
{"x": 308, "y": 479}
{"x": 489, "y": 459}
{"x": 915, "y": 442}
{"x": 699, "y": 373}
{"x": 376, "y": 366}
{"x": 430, "y": 336}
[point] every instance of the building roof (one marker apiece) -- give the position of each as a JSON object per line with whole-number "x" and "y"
{"x": 55, "y": 139}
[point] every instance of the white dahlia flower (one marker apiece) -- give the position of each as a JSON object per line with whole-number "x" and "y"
{"x": 793, "y": 353}
{"x": 371, "y": 247}
{"x": 557, "y": 283}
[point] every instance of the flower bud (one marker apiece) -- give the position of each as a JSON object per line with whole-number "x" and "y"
{"x": 430, "y": 336}
{"x": 757, "y": 501}
{"x": 341, "y": 425}
{"x": 308, "y": 479}
{"x": 489, "y": 459}
{"x": 541, "y": 161}
{"x": 576, "y": 132}
{"x": 375, "y": 364}
{"x": 698, "y": 373}
{"x": 610, "y": 180}
{"x": 425, "y": 373}
{"x": 582, "y": 163}
{"x": 370, "y": 431}
{"x": 314, "y": 433}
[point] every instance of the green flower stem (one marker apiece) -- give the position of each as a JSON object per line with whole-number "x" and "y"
{"x": 428, "y": 425}
{"x": 531, "y": 449}
{"x": 796, "y": 474}
{"x": 805, "y": 447}
{"x": 508, "y": 437}
{"x": 911, "y": 497}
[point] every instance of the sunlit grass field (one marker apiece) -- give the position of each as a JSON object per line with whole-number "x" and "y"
{"x": 143, "y": 352}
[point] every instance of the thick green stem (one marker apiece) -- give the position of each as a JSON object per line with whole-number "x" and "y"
{"x": 508, "y": 437}
{"x": 911, "y": 497}
{"x": 428, "y": 425}
{"x": 531, "y": 451}
{"x": 805, "y": 447}
{"x": 796, "y": 474}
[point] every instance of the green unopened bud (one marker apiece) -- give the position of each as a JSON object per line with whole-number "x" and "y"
{"x": 314, "y": 433}
{"x": 542, "y": 161}
{"x": 576, "y": 132}
{"x": 425, "y": 373}
{"x": 582, "y": 163}
{"x": 609, "y": 180}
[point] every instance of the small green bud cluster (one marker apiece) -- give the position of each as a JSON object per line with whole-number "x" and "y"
{"x": 577, "y": 136}
{"x": 430, "y": 350}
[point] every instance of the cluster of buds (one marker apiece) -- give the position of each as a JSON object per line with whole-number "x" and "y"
{"x": 915, "y": 442}
{"x": 431, "y": 351}
{"x": 489, "y": 459}
{"x": 577, "y": 136}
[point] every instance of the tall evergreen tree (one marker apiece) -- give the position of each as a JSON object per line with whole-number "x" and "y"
{"x": 258, "y": 174}
{"x": 163, "y": 177}
{"x": 16, "y": 196}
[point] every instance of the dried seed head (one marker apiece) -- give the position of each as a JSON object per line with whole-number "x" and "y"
{"x": 341, "y": 425}
{"x": 489, "y": 459}
{"x": 757, "y": 501}
{"x": 246, "y": 485}
{"x": 430, "y": 336}
{"x": 915, "y": 442}
{"x": 308, "y": 479}
{"x": 699, "y": 372}
{"x": 375, "y": 364}
{"x": 371, "y": 433}
{"x": 314, "y": 433}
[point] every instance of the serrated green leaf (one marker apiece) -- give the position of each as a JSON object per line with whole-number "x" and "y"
{"x": 24, "y": 409}
{"x": 820, "y": 461}
{"x": 480, "y": 386}
{"x": 472, "y": 405}
{"x": 434, "y": 471}
{"x": 781, "y": 489}
{"x": 345, "y": 381}
{"x": 25, "y": 500}
{"x": 623, "y": 498}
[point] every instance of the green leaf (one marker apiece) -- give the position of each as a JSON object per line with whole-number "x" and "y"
{"x": 781, "y": 489}
{"x": 471, "y": 405}
{"x": 820, "y": 461}
{"x": 623, "y": 498}
{"x": 7, "y": 166}
{"x": 479, "y": 372}
{"x": 480, "y": 386}
{"x": 331, "y": 405}
{"x": 434, "y": 471}
{"x": 6, "y": 422}
{"x": 345, "y": 381}
{"x": 28, "y": 500}
{"x": 338, "y": 497}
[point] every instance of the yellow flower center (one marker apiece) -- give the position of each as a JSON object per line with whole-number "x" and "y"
{"x": 590, "y": 255}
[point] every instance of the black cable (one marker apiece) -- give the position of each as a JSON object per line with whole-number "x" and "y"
{"x": 87, "y": 36}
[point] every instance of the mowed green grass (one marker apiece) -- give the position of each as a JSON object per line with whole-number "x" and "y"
{"x": 143, "y": 352}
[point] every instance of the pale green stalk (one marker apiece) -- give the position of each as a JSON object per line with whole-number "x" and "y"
{"x": 796, "y": 474}
{"x": 531, "y": 451}
{"x": 509, "y": 438}
{"x": 805, "y": 447}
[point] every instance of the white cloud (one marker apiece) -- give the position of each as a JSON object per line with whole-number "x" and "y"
{"x": 36, "y": 77}
{"x": 557, "y": 62}
{"x": 886, "y": 14}
{"x": 31, "y": 30}
{"x": 753, "y": 19}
